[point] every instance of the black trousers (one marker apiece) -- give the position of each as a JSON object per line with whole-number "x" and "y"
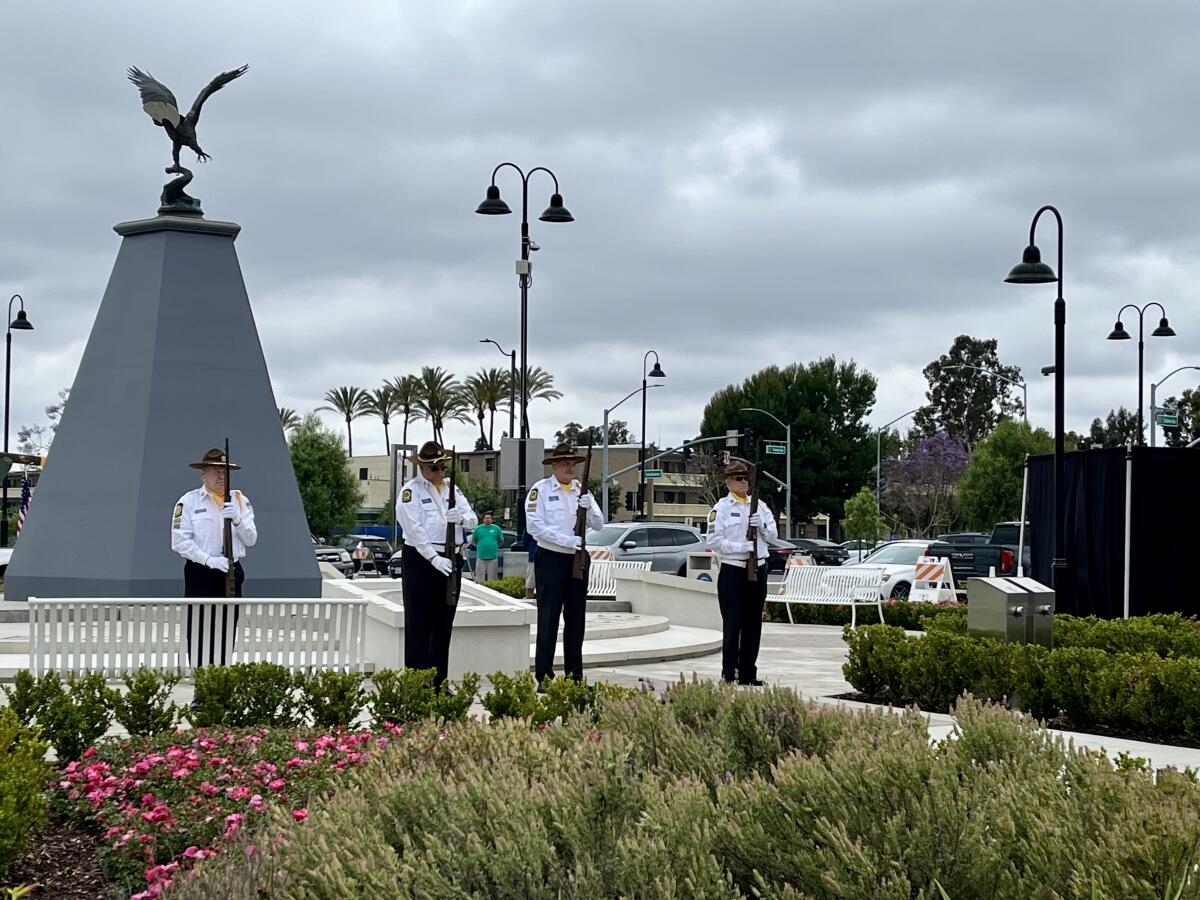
{"x": 428, "y": 618}
{"x": 559, "y": 595}
{"x": 201, "y": 581}
{"x": 741, "y": 603}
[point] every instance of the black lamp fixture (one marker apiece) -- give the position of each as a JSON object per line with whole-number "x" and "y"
{"x": 556, "y": 212}
{"x": 1164, "y": 329}
{"x": 1119, "y": 333}
{"x": 656, "y": 372}
{"x": 492, "y": 205}
{"x": 20, "y": 323}
{"x": 1031, "y": 269}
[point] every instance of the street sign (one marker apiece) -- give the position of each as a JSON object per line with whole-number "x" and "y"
{"x": 731, "y": 437}
{"x": 1168, "y": 420}
{"x": 776, "y": 449}
{"x": 654, "y": 473}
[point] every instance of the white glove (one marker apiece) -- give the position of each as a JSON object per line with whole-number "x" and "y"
{"x": 745, "y": 547}
{"x": 585, "y": 502}
{"x": 220, "y": 563}
{"x": 576, "y": 542}
{"x": 756, "y": 520}
{"x": 454, "y": 515}
{"x": 442, "y": 564}
{"x": 229, "y": 511}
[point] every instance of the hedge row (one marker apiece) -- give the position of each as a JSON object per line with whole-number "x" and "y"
{"x": 901, "y": 613}
{"x": 23, "y": 774}
{"x": 708, "y": 793}
{"x": 1141, "y": 693}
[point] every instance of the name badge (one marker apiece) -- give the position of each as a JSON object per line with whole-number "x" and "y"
{"x": 552, "y": 498}
{"x": 426, "y": 500}
{"x": 735, "y": 515}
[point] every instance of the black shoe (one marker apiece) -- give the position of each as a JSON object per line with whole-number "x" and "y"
{"x": 541, "y": 688}
{"x": 751, "y": 682}
{"x": 725, "y": 680}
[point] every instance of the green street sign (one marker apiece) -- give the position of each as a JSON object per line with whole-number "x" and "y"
{"x": 1168, "y": 420}
{"x": 776, "y": 449}
{"x": 654, "y": 473}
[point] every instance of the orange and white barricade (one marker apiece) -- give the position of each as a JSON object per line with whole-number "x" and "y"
{"x": 933, "y": 582}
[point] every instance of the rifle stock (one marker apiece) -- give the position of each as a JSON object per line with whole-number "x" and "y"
{"x": 577, "y": 565}
{"x": 451, "y": 530}
{"x": 231, "y": 575}
{"x": 751, "y": 531}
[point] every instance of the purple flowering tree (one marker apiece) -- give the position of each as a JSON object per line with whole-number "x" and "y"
{"x": 918, "y": 489}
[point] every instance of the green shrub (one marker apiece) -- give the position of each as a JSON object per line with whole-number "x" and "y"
{"x": 27, "y": 695}
{"x": 563, "y": 698}
{"x": 74, "y": 717}
{"x": 332, "y": 698}
{"x": 513, "y": 585}
{"x": 245, "y": 695}
{"x": 1163, "y": 635}
{"x": 146, "y": 706}
{"x": 23, "y": 773}
{"x": 408, "y": 695}
{"x": 900, "y": 613}
{"x": 511, "y": 697}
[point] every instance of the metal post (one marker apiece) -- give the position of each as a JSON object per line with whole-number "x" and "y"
{"x": 1128, "y": 520}
{"x": 1153, "y": 412}
{"x": 1021, "y": 533}
{"x": 878, "y": 463}
{"x": 642, "y": 455}
{"x": 789, "y": 531}
{"x": 1141, "y": 367}
{"x": 512, "y": 395}
{"x": 604, "y": 469}
{"x": 7, "y": 383}
{"x": 523, "y": 278}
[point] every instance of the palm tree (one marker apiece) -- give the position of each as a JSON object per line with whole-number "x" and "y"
{"x": 541, "y": 387}
{"x": 490, "y": 388}
{"x": 381, "y": 403}
{"x": 349, "y": 402}
{"x": 406, "y": 389}
{"x": 441, "y": 399}
{"x": 475, "y": 393}
{"x": 288, "y": 419}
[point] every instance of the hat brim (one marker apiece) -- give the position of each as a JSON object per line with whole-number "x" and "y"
{"x": 562, "y": 459}
{"x": 212, "y": 465}
{"x": 421, "y": 461}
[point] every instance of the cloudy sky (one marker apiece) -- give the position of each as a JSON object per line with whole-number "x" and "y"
{"x": 753, "y": 183}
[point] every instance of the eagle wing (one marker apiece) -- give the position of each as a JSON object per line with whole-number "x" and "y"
{"x": 213, "y": 86}
{"x": 157, "y": 99}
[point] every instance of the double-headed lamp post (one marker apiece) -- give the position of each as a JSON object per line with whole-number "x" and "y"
{"x": 492, "y": 205}
{"x": 1021, "y": 384}
{"x": 1154, "y": 390}
{"x": 879, "y": 447}
{"x": 20, "y": 323}
{"x": 1119, "y": 333}
{"x": 604, "y": 452}
{"x": 512, "y": 385}
{"x": 656, "y": 372}
{"x": 788, "y": 437}
{"x": 1031, "y": 270}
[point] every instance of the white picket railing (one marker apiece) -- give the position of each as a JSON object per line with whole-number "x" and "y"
{"x": 602, "y": 582}
{"x": 117, "y": 635}
{"x": 831, "y": 586}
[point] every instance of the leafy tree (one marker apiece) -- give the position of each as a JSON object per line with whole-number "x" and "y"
{"x": 484, "y": 498}
{"x": 288, "y": 419}
{"x": 918, "y": 490}
{"x": 477, "y": 395}
{"x": 990, "y": 488}
{"x": 963, "y": 402}
{"x": 406, "y": 390}
{"x": 1120, "y": 427}
{"x": 863, "y": 520}
{"x": 1187, "y": 406}
{"x": 541, "y": 387}
{"x": 328, "y": 489}
{"x": 489, "y": 391}
{"x": 440, "y": 399}
{"x": 350, "y": 403}
{"x": 833, "y": 449}
{"x": 382, "y": 404}
{"x": 575, "y": 434}
{"x": 37, "y": 438}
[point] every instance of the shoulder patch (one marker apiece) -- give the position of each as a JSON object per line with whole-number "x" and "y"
{"x": 406, "y": 497}
{"x": 712, "y": 515}
{"x": 177, "y": 516}
{"x": 533, "y": 495}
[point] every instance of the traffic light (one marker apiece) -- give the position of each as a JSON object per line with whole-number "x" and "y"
{"x": 748, "y": 441}
{"x": 629, "y": 501}
{"x": 687, "y": 455}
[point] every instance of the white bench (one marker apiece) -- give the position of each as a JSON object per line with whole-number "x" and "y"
{"x": 117, "y": 635}
{"x": 831, "y": 586}
{"x": 602, "y": 582}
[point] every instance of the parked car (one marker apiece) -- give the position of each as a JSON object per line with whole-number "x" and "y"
{"x": 856, "y": 551}
{"x": 970, "y": 559}
{"x": 778, "y": 553}
{"x": 824, "y": 553}
{"x": 964, "y": 537}
{"x": 665, "y": 545}
{"x": 898, "y": 559}
{"x": 378, "y": 552}
{"x": 338, "y": 557}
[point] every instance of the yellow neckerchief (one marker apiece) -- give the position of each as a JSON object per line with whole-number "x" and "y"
{"x": 738, "y": 497}
{"x": 436, "y": 485}
{"x": 219, "y": 499}
{"x": 566, "y": 486}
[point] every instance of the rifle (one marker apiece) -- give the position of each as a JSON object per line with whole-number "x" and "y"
{"x": 752, "y": 532}
{"x": 451, "y": 530}
{"x": 230, "y": 576}
{"x": 577, "y": 567}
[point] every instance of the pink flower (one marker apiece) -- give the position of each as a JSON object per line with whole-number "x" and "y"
{"x": 181, "y": 772}
{"x": 257, "y": 802}
{"x": 301, "y": 746}
{"x": 237, "y": 793}
{"x": 158, "y": 814}
{"x": 277, "y": 784}
{"x": 299, "y": 814}
{"x": 89, "y": 752}
{"x": 208, "y": 788}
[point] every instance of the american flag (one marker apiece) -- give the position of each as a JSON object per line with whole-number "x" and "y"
{"x": 24, "y": 507}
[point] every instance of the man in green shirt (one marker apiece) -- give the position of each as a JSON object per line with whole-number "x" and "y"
{"x": 487, "y": 539}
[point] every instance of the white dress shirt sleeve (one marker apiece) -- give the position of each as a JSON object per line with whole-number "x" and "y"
{"x": 469, "y": 520}
{"x": 595, "y": 518}
{"x": 183, "y": 537}
{"x": 544, "y": 524}
{"x": 409, "y": 516}
{"x": 726, "y": 533}
{"x": 246, "y": 530}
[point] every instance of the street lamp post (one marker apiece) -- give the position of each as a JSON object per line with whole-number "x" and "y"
{"x": 604, "y": 452}
{"x": 879, "y": 447}
{"x": 656, "y": 372}
{"x": 1119, "y": 333}
{"x": 492, "y": 205}
{"x": 1154, "y": 389}
{"x": 1031, "y": 270}
{"x": 1021, "y": 384}
{"x": 512, "y": 385}
{"x": 21, "y": 323}
{"x": 788, "y": 431}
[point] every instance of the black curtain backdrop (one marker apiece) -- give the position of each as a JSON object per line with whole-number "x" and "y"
{"x": 1166, "y": 497}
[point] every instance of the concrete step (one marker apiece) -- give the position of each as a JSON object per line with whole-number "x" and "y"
{"x": 13, "y": 611}
{"x": 675, "y": 642}
{"x": 610, "y": 625}
{"x": 609, "y": 606}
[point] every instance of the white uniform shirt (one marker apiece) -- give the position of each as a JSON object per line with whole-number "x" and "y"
{"x": 198, "y": 528}
{"x": 728, "y": 523}
{"x": 550, "y": 515}
{"x": 421, "y": 514}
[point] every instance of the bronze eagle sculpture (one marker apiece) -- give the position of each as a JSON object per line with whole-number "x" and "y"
{"x": 160, "y": 104}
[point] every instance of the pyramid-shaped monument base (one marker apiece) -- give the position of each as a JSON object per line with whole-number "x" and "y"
{"x": 173, "y": 366}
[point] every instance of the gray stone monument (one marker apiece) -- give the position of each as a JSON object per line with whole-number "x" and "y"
{"x": 173, "y": 366}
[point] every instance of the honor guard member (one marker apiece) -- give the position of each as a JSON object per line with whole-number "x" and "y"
{"x": 198, "y": 535}
{"x": 550, "y": 518}
{"x": 423, "y": 513}
{"x": 741, "y": 601}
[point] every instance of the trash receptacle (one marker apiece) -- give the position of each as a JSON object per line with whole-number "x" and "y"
{"x": 1011, "y": 609}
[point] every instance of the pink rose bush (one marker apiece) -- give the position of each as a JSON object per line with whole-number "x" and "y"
{"x": 165, "y": 804}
